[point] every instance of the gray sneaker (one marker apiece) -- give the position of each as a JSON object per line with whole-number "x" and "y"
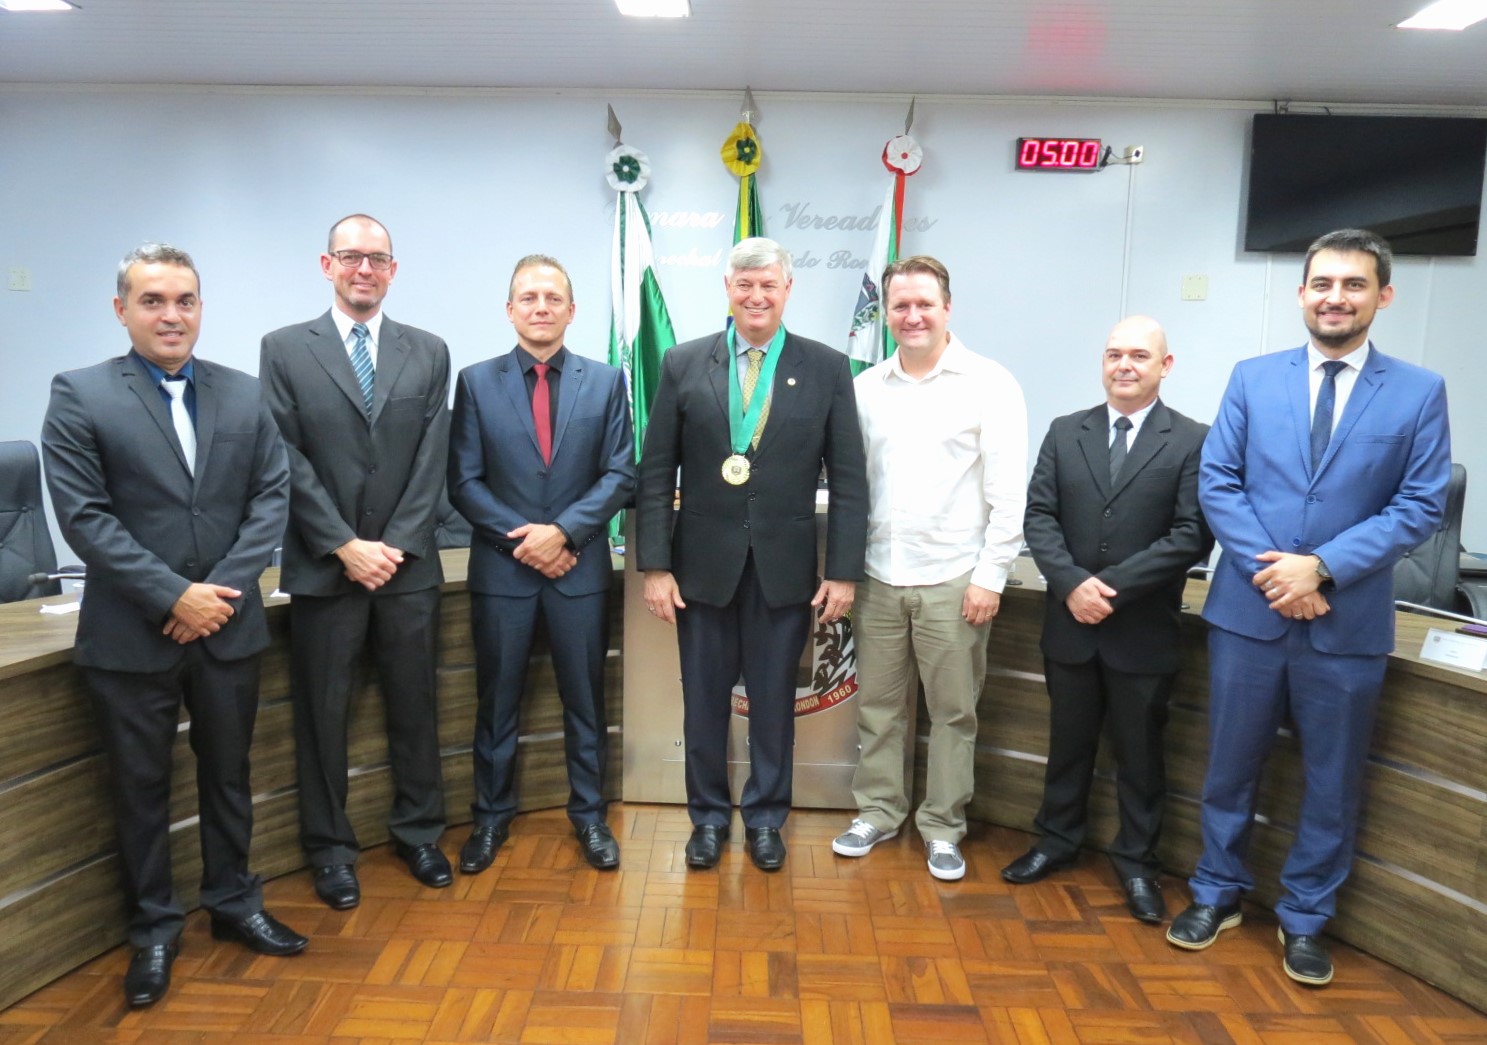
{"x": 945, "y": 861}
{"x": 858, "y": 839}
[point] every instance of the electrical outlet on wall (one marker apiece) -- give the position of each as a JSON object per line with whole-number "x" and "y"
{"x": 19, "y": 278}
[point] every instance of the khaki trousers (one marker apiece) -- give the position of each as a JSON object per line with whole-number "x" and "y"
{"x": 899, "y": 631}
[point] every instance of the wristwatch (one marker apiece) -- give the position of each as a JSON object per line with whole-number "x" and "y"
{"x": 1322, "y": 570}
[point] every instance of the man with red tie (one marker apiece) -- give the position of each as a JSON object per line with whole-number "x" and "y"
{"x": 541, "y": 457}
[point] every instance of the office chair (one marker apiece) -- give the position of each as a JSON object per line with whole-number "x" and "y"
{"x": 25, "y": 540}
{"x": 1428, "y": 574}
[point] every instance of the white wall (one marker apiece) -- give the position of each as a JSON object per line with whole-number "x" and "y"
{"x": 248, "y": 180}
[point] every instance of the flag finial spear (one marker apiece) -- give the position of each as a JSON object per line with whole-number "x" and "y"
{"x": 750, "y": 110}
{"x": 908, "y": 120}
{"x": 614, "y": 125}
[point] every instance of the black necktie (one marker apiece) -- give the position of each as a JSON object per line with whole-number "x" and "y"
{"x": 1321, "y": 417}
{"x": 1118, "y": 447}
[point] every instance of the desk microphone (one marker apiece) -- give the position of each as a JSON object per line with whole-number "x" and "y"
{"x": 67, "y": 573}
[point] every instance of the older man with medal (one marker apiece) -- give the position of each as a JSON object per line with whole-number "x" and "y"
{"x": 743, "y": 422}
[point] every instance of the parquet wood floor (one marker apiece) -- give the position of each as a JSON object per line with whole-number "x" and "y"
{"x": 542, "y": 949}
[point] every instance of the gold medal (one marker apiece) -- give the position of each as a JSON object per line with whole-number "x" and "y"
{"x": 736, "y": 470}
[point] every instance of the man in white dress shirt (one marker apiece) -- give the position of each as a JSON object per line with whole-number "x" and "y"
{"x": 946, "y": 437}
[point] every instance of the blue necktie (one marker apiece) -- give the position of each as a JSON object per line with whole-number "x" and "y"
{"x": 1321, "y": 417}
{"x": 361, "y": 362}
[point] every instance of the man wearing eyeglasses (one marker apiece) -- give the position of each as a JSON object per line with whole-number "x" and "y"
{"x": 363, "y": 405}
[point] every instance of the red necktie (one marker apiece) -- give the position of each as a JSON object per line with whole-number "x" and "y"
{"x": 542, "y": 413}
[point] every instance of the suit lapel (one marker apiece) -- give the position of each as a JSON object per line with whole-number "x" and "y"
{"x": 1094, "y": 443}
{"x": 717, "y": 377}
{"x": 509, "y": 376}
{"x": 392, "y": 355}
{"x": 1298, "y": 390}
{"x": 572, "y": 384}
{"x": 1367, "y": 385}
{"x": 781, "y": 407}
{"x": 206, "y": 416}
{"x": 137, "y": 378}
{"x": 1147, "y": 444}
{"x": 327, "y": 349}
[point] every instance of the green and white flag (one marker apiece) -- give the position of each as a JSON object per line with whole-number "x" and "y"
{"x": 868, "y": 340}
{"x": 640, "y": 327}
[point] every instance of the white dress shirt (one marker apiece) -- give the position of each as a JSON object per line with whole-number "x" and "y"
{"x": 946, "y": 469}
{"x": 1137, "y": 420}
{"x": 1346, "y": 378}
{"x": 344, "y": 323}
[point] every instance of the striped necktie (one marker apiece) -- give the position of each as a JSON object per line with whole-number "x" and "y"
{"x": 361, "y": 362}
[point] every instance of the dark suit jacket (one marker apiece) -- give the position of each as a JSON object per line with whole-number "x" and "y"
{"x": 1380, "y": 491}
{"x": 812, "y": 419}
{"x": 498, "y": 480}
{"x": 378, "y": 480}
{"x": 1139, "y": 537}
{"x": 144, "y": 527}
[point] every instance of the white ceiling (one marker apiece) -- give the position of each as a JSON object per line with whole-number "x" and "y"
{"x": 1315, "y": 50}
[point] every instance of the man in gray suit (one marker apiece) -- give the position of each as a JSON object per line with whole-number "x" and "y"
{"x": 1113, "y": 523}
{"x": 168, "y": 478}
{"x": 363, "y": 405}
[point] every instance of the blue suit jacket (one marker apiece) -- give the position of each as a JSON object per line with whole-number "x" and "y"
{"x": 1378, "y": 492}
{"x": 498, "y": 480}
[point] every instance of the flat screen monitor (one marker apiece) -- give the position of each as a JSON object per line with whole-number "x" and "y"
{"x": 1415, "y": 180}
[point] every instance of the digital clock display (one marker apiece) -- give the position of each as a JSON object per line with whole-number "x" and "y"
{"x": 1058, "y": 154}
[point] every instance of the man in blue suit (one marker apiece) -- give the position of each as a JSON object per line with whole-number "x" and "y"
{"x": 1325, "y": 465}
{"x": 541, "y": 456}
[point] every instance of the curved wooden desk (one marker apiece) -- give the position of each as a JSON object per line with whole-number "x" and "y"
{"x": 60, "y": 895}
{"x": 1417, "y": 898}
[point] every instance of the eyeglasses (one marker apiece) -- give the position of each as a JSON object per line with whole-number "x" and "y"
{"x": 352, "y": 259}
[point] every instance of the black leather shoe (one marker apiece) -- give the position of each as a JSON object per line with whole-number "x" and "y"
{"x": 428, "y": 865}
{"x": 149, "y": 974}
{"x": 337, "y": 886}
{"x": 599, "y": 847}
{"x": 705, "y": 847}
{"x": 1032, "y": 866}
{"x": 1306, "y": 959}
{"x": 1144, "y": 900}
{"x": 1196, "y": 928}
{"x": 766, "y": 848}
{"x": 260, "y": 932}
{"x": 479, "y": 849}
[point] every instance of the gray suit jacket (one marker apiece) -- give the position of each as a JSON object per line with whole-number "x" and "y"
{"x": 144, "y": 527}
{"x": 377, "y": 479}
{"x": 1138, "y": 536}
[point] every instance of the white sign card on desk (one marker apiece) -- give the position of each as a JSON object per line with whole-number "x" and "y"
{"x": 1468, "y": 652}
